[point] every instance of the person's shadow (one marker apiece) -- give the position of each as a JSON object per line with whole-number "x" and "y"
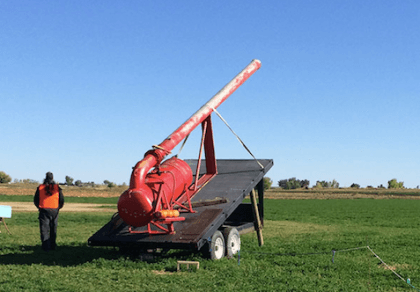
{"x": 64, "y": 255}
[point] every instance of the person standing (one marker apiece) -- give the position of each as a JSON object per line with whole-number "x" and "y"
{"x": 49, "y": 200}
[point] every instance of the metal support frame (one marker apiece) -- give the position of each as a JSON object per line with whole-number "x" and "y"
{"x": 207, "y": 144}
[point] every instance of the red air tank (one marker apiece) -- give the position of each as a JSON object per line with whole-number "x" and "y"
{"x": 171, "y": 179}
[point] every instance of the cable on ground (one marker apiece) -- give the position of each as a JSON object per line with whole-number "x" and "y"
{"x": 334, "y": 252}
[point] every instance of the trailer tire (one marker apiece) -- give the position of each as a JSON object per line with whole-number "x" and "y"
{"x": 217, "y": 246}
{"x": 232, "y": 240}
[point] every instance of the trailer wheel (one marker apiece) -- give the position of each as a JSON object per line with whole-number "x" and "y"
{"x": 233, "y": 241}
{"x": 217, "y": 246}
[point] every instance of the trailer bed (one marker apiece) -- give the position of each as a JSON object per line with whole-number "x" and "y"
{"x": 218, "y": 203}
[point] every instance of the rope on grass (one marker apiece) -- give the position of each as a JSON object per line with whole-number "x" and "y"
{"x": 333, "y": 255}
{"x": 389, "y": 268}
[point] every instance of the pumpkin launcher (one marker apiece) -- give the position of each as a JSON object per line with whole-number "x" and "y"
{"x": 161, "y": 191}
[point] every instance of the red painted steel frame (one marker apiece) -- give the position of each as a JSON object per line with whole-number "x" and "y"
{"x": 154, "y": 157}
{"x": 207, "y": 144}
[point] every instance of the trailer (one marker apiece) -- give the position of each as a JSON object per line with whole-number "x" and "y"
{"x": 220, "y": 217}
{"x": 190, "y": 204}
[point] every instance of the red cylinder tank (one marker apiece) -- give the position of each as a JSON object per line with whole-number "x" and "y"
{"x": 137, "y": 206}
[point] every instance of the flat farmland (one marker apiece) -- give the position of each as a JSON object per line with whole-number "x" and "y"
{"x": 273, "y": 193}
{"x": 309, "y": 245}
{"x": 343, "y": 193}
{"x": 29, "y": 189}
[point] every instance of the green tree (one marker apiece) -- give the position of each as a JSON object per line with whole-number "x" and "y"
{"x": 4, "y": 178}
{"x": 304, "y": 183}
{"x": 29, "y": 181}
{"x": 110, "y": 184}
{"x": 394, "y": 184}
{"x": 328, "y": 184}
{"x": 323, "y": 184}
{"x": 267, "y": 183}
{"x": 69, "y": 180}
{"x": 335, "y": 184}
{"x": 293, "y": 183}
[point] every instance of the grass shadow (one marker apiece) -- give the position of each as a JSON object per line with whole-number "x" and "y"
{"x": 158, "y": 255}
{"x": 64, "y": 255}
{"x": 71, "y": 255}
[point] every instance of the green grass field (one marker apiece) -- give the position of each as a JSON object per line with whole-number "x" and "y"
{"x": 299, "y": 237}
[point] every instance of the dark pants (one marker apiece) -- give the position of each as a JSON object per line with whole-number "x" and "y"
{"x": 48, "y": 219}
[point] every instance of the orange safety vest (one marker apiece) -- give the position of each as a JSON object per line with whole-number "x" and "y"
{"x": 48, "y": 201}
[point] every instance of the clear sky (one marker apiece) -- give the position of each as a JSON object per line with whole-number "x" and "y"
{"x": 86, "y": 87}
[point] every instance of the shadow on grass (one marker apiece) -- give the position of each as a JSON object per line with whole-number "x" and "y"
{"x": 64, "y": 256}
{"x": 67, "y": 256}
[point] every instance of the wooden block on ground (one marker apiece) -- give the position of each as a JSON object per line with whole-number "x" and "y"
{"x": 187, "y": 263}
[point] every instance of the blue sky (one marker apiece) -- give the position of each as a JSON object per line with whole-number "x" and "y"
{"x": 86, "y": 87}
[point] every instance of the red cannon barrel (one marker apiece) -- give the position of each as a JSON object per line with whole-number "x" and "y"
{"x": 136, "y": 206}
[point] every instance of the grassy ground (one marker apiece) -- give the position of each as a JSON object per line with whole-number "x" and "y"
{"x": 345, "y": 193}
{"x": 299, "y": 237}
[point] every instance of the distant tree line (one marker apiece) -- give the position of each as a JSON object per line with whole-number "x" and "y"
{"x": 25, "y": 181}
{"x": 5, "y": 178}
{"x": 327, "y": 184}
{"x": 79, "y": 183}
{"x": 293, "y": 183}
{"x": 287, "y": 184}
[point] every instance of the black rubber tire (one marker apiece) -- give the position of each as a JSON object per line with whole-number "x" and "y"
{"x": 232, "y": 241}
{"x": 217, "y": 247}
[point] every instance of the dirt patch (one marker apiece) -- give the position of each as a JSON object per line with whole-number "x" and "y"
{"x": 16, "y": 191}
{"x": 68, "y": 207}
{"x": 161, "y": 272}
{"x": 394, "y": 267}
{"x": 68, "y": 191}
